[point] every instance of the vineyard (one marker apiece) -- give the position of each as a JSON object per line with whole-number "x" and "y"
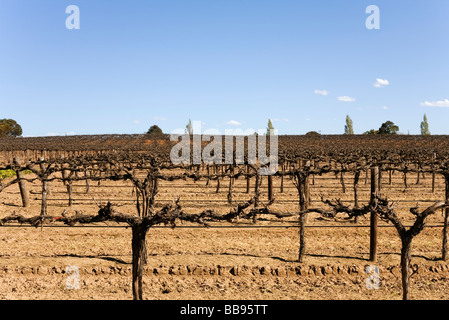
{"x": 136, "y": 225}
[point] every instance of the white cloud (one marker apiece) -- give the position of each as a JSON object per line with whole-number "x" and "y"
{"x": 346, "y": 99}
{"x": 233, "y": 123}
{"x": 441, "y": 103}
{"x": 279, "y": 120}
{"x": 385, "y": 107}
{"x": 159, "y": 118}
{"x": 137, "y": 121}
{"x": 321, "y": 92}
{"x": 381, "y": 83}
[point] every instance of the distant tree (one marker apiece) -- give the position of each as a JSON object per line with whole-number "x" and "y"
{"x": 348, "y": 126}
{"x": 388, "y": 128}
{"x": 154, "y": 131}
{"x": 425, "y": 126}
{"x": 312, "y": 134}
{"x": 10, "y": 128}
{"x": 270, "y": 128}
{"x": 189, "y": 128}
{"x": 372, "y": 131}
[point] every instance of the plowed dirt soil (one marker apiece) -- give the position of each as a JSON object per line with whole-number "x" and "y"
{"x": 230, "y": 261}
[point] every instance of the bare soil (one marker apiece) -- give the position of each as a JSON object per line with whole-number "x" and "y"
{"x": 230, "y": 261}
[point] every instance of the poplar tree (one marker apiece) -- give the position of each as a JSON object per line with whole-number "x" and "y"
{"x": 189, "y": 128}
{"x": 425, "y": 126}
{"x": 348, "y": 126}
{"x": 270, "y": 128}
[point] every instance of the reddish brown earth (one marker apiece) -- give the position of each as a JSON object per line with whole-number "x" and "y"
{"x": 217, "y": 263}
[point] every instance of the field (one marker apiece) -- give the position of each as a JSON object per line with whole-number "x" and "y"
{"x": 239, "y": 260}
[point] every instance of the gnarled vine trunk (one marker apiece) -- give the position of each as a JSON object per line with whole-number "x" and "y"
{"x": 405, "y": 266}
{"x": 139, "y": 232}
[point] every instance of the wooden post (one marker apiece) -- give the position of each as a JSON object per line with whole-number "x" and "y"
{"x": 356, "y": 189}
{"x": 282, "y": 177}
{"x": 433, "y": 173}
{"x": 248, "y": 183}
{"x": 373, "y": 219}
{"x": 433, "y": 181}
{"x": 257, "y": 190}
{"x": 22, "y": 185}
{"x": 270, "y": 188}
{"x": 218, "y": 180}
{"x": 446, "y": 221}
{"x": 256, "y": 195}
{"x": 307, "y": 195}
{"x": 45, "y": 188}
{"x": 87, "y": 181}
{"x": 231, "y": 183}
{"x": 303, "y": 189}
{"x": 356, "y": 193}
{"x": 379, "y": 183}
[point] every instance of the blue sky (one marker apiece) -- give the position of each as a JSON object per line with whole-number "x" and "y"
{"x": 229, "y": 64}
